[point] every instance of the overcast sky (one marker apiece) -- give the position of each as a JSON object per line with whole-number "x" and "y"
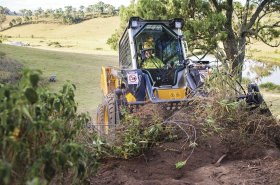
{"x": 16, "y": 5}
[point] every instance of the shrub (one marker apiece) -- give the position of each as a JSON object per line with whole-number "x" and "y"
{"x": 55, "y": 44}
{"x": 38, "y": 131}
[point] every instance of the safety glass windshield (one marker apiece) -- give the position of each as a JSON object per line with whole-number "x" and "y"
{"x": 157, "y": 47}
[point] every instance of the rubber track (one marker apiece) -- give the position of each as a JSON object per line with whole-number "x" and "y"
{"x": 100, "y": 118}
{"x": 110, "y": 104}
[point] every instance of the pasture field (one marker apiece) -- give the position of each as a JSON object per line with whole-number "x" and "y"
{"x": 89, "y": 36}
{"x": 89, "y": 40}
{"x": 273, "y": 101}
{"x": 84, "y": 71}
{"x": 81, "y": 69}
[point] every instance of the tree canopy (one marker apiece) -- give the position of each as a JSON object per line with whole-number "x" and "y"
{"x": 214, "y": 25}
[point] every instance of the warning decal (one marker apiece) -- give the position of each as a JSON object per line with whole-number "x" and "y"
{"x": 132, "y": 77}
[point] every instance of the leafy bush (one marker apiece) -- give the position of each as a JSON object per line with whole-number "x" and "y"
{"x": 136, "y": 133}
{"x": 55, "y": 44}
{"x": 38, "y": 131}
{"x": 113, "y": 40}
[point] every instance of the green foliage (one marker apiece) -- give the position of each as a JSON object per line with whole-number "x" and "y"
{"x": 70, "y": 19}
{"x": 135, "y": 135}
{"x": 203, "y": 29}
{"x": 180, "y": 164}
{"x": 113, "y": 41}
{"x": 136, "y": 138}
{"x": 38, "y": 131}
{"x": 36, "y": 181}
{"x": 55, "y": 44}
{"x": 2, "y": 16}
{"x": 210, "y": 23}
{"x": 19, "y": 20}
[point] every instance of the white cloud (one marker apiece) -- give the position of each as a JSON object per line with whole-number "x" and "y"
{"x": 16, "y": 5}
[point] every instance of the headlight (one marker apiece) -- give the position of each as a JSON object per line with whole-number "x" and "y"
{"x": 178, "y": 24}
{"x": 134, "y": 24}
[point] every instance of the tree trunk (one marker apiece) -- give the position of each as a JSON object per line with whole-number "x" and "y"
{"x": 235, "y": 51}
{"x": 237, "y": 66}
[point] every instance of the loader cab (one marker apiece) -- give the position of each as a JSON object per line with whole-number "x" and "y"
{"x": 156, "y": 47}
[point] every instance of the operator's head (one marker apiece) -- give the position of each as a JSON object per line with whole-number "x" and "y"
{"x": 148, "y": 47}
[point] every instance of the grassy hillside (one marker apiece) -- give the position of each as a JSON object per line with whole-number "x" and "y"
{"x": 90, "y": 37}
{"x": 81, "y": 69}
{"x": 87, "y": 37}
{"x": 9, "y": 18}
{"x": 264, "y": 53}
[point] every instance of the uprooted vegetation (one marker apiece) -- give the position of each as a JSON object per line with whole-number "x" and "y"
{"x": 188, "y": 146}
{"x": 43, "y": 132}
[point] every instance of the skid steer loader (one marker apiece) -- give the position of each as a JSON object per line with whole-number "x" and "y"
{"x": 153, "y": 68}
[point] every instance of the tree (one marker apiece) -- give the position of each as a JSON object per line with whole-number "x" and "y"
{"x": 110, "y": 9}
{"x": 208, "y": 23}
{"x": 38, "y": 12}
{"x": 82, "y": 8}
{"x": 26, "y": 18}
{"x": 14, "y": 22}
{"x": 19, "y": 20}
{"x": 48, "y": 13}
{"x": 23, "y": 12}
{"x": 58, "y": 13}
{"x": 249, "y": 22}
{"x": 2, "y": 16}
{"x": 68, "y": 10}
{"x": 99, "y": 7}
{"x": 28, "y": 13}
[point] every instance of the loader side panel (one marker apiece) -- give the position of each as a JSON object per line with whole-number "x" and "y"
{"x": 108, "y": 80}
{"x": 170, "y": 94}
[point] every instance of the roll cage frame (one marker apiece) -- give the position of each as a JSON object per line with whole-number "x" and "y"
{"x": 127, "y": 44}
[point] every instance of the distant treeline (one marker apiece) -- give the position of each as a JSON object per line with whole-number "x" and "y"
{"x": 66, "y": 15}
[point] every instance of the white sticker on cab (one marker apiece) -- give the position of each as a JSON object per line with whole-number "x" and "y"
{"x": 132, "y": 77}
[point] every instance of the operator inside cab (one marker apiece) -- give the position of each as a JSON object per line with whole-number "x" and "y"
{"x": 157, "y": 47}
{"x": 149, "y": 60}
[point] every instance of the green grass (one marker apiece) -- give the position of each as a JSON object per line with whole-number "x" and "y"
{"x": 270, "y": 86}
{"x": 81, "y": 69}
{"x": 89, "y": 36}
{"x": 273, "y": 101}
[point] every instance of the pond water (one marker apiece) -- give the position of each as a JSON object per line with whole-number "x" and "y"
{"x": 257, "y": 72}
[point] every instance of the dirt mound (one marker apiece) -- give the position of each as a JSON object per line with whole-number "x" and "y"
{"x": 158, "y": 167}
{"x": 228, "y": 151}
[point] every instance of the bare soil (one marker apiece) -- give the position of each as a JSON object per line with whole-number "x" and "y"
{"x": 158, "y": 167}
{"x": 256, "y": 161}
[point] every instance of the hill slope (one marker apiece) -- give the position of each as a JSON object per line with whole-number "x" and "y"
{"x": 87, "y": 37}
{"x": 81, "y": 69}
